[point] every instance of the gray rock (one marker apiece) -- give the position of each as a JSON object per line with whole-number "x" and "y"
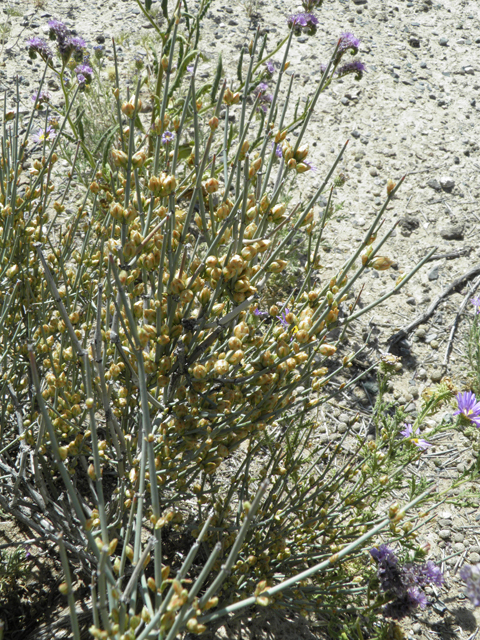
{"x": 407, "y": 225}
{"x": 345, "y": 102}
{"x": 433, "y": 275}
{"x": 359, "y": 1}
{"x": 417, "y": 628}
{"x": 474, "y": 557}
{"x": 444, "y": 534}
{"x": 447, "y": 183}
{"x": 470, "y": 70}
{"x": 458, "y": 537}
{"x": 356, "y": 134}
{"x": 373, "y": 172}
{"x": 414, "y": 42}
{"x": 436, "y": 376}
{"x": 443, "y": 42}
{"x": 411, "y": 301}
{"x": 434, "y": 184}
{"x": 452, "y": 232}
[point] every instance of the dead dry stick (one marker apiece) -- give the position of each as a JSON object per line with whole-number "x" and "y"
{"x": 403, "y": 333}
{"x": 455, "y": 322}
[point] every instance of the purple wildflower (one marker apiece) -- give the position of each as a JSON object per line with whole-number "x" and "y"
{"x": 468, "y": 407}
{"x": 85, "y": 71}
{"x": 306, "y": 22}
{"x": 41, "y": 97}
{"x": 348, "y": 41}
{"x": 476, "y": 303}
{"x": 82, "y": 81}
{"x": 470, "y": 574}
{"x": 357, "y": 67}
{"x": 167, "y": 137}
{"x": 310, "y": 165}
{"x": 99, "y": 51}
{"x": 260, "y": 314}
{"x": 279, "y": 151}
{"x": 403, "y": 582}
{"x": 58, "y": 30}
{"x": 388, "y": 571}
{"x": 424, "y": 574}
{"x": 419, "y": 442}
{"x": 44, "y": 135}
{"x": 37, "y": 45}
{"x": 270, "y": 68}
{"x": 190, "y": 68}
{"x": 283, "y": 318}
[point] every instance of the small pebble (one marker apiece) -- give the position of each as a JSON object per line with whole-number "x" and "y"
{"x": 434, "y": 344}
{"x": 436, "y": 376}
{"x": 458, "y": 537}
{"x": 444, "y": 534}
{"x": 474, "y": 557}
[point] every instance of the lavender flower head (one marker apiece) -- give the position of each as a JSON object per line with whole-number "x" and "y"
{"x": 424, "y": 574}
{"x": 41, "y": 97}
{"x": 470, "y": 574}
{"x": 265, "y": 98}
{"x": 270, "y": 68}
{"x": 278, "y": 151}
{"x": 468, "y": 407}
{"x": 260, "y": 314}
{"x": 99, "y": 51}
{"x": 305, "y": 22}
{"x": 388, "y": 571}
{"x": 86, "y": 72}
{"x": 476, "y": 303}
{"x": 357, "y": 67}
{"x": 38, "y": 46}
{"x": 167, "y": 137}
{"x": 418, "y": 442}
{"x": 404, "y": 583}
{"x": 58, "y": 30}
{"x": 348, "y": 41}
{"x": 46, "y": 135}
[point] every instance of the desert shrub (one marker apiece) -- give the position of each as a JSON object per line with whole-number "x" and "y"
{"x": 155, "y": 398}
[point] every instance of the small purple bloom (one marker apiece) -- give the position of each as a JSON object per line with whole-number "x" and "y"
{"x": 468, "y": 407}
{"x": 310, "y": 165}
{"x": 424, "y": 574}
{"x": 82, "y": 81}
{"x": 357, "y": 67}
{"x": 99, "y": 51}
{"x": 476, "y": 303}
{"x": 41, "y": 97}
{"x": 388, "y": 571}
{"x": 348, "y": 41}
{"x": 282, "y": 318}
{"x": 167, "y": 137}
{"x": 270, "y": 67}
{"x": 279, "y": 151}
{"x": 470, "y": 574}
{"x": 86, "y": 72}
{"x": 58, "y": 30}
{"x": 190, "y": 68}
{"x": 44, "y": 136}
{"x": 260, "y": 314}
{"x": 419, "y": 442}
{"x": 306, "y": 22}
{"x": 37, "y": 45}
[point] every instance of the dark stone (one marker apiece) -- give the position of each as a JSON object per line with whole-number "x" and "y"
{"x": 100, "y": 39}
{"x": 356, "y": 134}
{"x": 453, "y": 232}
{"x": 407, "y": 225}
{"x": 443, "y": 42}
{"x": 359, "y": 1}
{"x": 414, "y": 42}
{"x": 433, "y": 275}
{"x": 345, "y": 102}
{"x": 434, "y": 184}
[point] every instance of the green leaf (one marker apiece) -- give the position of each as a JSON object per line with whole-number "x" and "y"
{"x": 148, "y": 4}
{"x": 216, "y": 81}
